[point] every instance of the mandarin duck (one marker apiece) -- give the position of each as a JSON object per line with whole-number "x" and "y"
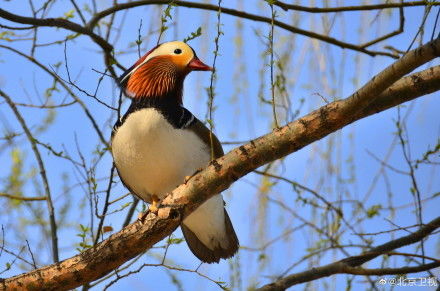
{"x": 158, "y": 142}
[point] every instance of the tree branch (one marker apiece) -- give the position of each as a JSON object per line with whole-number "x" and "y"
{"x": 409, "y": 62}
{"x": 22, "y": 198}
{"x": 63, "y": 23}
{"x": 57, "y": 22}
{"x": 349, "y": 265}
{"x": 391, "y": 271}
{"x": 221, "y": 173}
{"x": 286, "y": 6}
{"x": 68, "y": 90}
{"x": 41, "y": 166}
{"x": 94, "y": 21}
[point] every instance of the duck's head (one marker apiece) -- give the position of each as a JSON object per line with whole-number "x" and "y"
{"x": 161, "y": 71}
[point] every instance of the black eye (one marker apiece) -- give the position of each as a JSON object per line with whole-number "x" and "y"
{"x": 177, "y": 51}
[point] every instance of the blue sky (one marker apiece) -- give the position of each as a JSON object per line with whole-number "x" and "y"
{"x": 314, "y": 68}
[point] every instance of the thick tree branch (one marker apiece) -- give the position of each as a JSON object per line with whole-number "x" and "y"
{"x": 427, "y": 81}
{"x": 241, "y": 14}
{"x": 409, "y": 62}
{"x": 221, "y": 173}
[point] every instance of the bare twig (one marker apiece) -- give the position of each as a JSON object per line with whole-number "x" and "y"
{"x": 213, "y": 78}
{"x": 286, "y": 6}
{"x": 68, "y": 90}
{"x": 51, "y": 209}
{"x": 106, "y": 204}
{"x": 350, "y": 265}
{"x": 15, "y": 197}
{"x": 78, "y": 10}
{"x": 63, "y": 23}
{"x": 92, "y": 23}
{"x": 399, "y": 30}
{"x": 271, "y": 50}
{"x": 32, "y": 255}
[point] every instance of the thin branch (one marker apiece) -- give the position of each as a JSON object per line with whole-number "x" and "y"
{"x": 401, "y": 130}
{"x": 110, "y": 24}
{"x": 391, "y": 34}
{"x": 51, "y": 209}
{"x": 350, "y": 265}
{"x": 106, "y": 204}
{"x": 22, "y": 198}
{"x": 32, "y": 255}
{"x": 385, "y": 164}
{"x": 196, "y": 271}
{"x": 17, "y": 28}
{"x": 412, "y": 256}
{"x": 46, "y": 106}
{"x": 271, "y": 48}
{"x": 407, "y": 63}
{"x": 3, "y": 249}
{"x": 9, "y": 265}
{"x": 286, "y": 6}
{"x": 78, "y": 11}
{"x": 302, "y": 187}
{"x": 57, "y": 22}
{"x": 213, "y": 79}
{"x": 63, "y": 23}
{"x": 388, "y": 231}
{"x": 130, "y": 211}
{"x": 98, "y": 16}
{"x": 391, "y": 271}
{"x": 68, "y": 90}
{"x": 73, "y": 83}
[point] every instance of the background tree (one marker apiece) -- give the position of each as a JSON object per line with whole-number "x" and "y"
{"x": 355, "y": 199}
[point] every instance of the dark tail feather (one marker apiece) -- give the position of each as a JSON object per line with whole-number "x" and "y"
{"x": 207, "y": 255}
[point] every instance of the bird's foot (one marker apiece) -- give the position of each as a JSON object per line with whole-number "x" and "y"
{"x": 187, "y": 178}
{"x": 153, "y": 208}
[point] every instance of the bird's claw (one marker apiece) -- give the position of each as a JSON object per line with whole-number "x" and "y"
{"x": 187, "y": 178}
{"x": 153, "y": 208}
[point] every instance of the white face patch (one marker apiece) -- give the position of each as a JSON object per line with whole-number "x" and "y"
{"x": 172, "y": 48}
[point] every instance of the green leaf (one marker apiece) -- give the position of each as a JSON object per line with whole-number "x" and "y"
{"x": 193, "y": 35}
{"x": 261, "y": 257}
{"x": 373, "y": 210}
{"x": 175, "y": 241}
{"x": 69, "y": 14}
{"x": 5, "y": 35}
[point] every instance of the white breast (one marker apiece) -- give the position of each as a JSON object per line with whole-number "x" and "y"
{"x": 152, "y": 156}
